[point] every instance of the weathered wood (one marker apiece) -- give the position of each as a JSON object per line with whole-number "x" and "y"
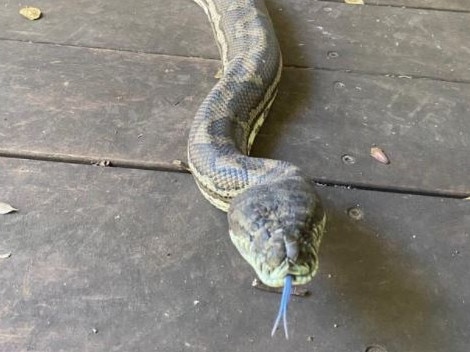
{"x": 102, "y": 104}
{"x": 75, "y": 103}
{"x": 362, "y": 38}
{"x": 125, "y": 253}
{"x": 320, "y": 116}
{"x": 114, "y": 259}
{"x": 445, "y": 5}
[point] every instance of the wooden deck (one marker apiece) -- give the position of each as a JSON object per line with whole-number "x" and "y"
{"x": 132, "y": 258}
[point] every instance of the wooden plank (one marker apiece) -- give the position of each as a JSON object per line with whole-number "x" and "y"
{"x": 137, "y": 108}
{"x": 320, "y": 116}
{"x": 124, "y": 252}
{"x": 159, "y": 26}
{"x": 98, "y": 103}
{"x": 312, "y": 34}
{"x": 376, "y": 39}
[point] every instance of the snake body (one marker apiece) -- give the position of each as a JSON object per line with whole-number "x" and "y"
{"x": 275, "y": 218}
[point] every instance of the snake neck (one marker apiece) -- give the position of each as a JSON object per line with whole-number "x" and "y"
{"x": 231, "y": 115}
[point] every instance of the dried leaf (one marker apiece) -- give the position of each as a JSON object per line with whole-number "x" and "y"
{"x": 31, "y": 13}
{"x": 5, "y": 255}
{"x": 379, "y": 155}
{"x": 6, "y": 208}
{"x": 354, "y": 2}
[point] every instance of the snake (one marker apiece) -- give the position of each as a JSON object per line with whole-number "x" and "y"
{"x": 276, "y": 220}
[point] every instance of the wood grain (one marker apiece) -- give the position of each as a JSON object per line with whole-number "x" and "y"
{"x": 115, "y": 259}
{"x": 373, "y": 39}
{"x": 135, "y": 110}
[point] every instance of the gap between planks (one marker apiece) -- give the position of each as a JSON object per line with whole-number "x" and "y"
{"x": 93, "y": 161}
{"x": 411, "y": 7}
{"x": 180, "y": 168}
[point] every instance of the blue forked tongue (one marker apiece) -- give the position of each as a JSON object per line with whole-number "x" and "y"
{"x": 283, "y": 307}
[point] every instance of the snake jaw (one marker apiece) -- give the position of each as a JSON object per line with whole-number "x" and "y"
{"x": 300, "y": 261}
{"x": 302, "y": 273}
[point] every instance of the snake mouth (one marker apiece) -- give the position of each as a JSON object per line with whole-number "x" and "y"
{"x": 301, "y": 273}
{"x": 302, "y": 268}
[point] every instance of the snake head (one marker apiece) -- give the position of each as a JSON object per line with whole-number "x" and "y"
{"x": 277, "y": 228}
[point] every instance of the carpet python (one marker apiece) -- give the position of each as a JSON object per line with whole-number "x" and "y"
{"x": 275, "y": 219}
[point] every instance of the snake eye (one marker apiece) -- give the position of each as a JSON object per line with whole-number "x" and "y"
{"x": 265, "y": 235}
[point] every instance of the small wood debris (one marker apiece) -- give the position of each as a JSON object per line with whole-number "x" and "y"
{"x": 354, "y": 2}
{"x": 31, "y": 13}
{"x": 103, "y": 163}
{"x": 5, "y": 255}
{"x": 379, "y": 155}
{"x": 6, "y": 209}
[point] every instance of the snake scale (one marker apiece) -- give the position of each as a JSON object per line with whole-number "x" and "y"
{"x": 276, "y": 220}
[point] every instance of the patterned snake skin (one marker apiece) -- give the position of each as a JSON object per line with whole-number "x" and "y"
{"x": 275, "y": 218}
